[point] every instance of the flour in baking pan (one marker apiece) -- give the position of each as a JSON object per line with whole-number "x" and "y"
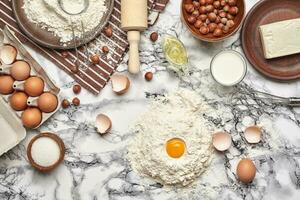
{"x": 49, "y": 15}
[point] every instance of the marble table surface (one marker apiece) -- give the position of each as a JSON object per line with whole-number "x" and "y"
{"x": 96, "y": 167}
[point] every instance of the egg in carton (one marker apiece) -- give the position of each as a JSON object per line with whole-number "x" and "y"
{"x": 26, "y": 91}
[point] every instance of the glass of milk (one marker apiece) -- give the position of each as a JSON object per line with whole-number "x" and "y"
{"x": 228, "y": 67}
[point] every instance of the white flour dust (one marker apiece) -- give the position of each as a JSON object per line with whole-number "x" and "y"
{"x": 178, "y": 115}
{"x": 49, "y": 15}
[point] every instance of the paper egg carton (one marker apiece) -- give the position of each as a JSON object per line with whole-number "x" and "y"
{"x": 9, "y": 118}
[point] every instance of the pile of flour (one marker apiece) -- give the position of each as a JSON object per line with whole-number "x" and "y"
{"x": 178, "y": 115}
{"x": 49, "y": 15}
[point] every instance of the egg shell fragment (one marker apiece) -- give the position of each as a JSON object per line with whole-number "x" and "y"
{"x": 103, "y": 124}
{"x": 120, "y": 84}
{"x": 222, "y": 141}
{"x": 253, "y": 134}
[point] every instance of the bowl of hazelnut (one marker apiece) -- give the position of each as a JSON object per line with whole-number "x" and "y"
{"x": 213, "y": 20}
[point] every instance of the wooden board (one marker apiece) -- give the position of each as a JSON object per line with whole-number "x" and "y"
{"x": 265, "y": 12}
{"x": 48, "y": 39}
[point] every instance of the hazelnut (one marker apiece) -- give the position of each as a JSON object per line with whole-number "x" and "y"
{"x": 195, "y": 13}
{"x": 209, "y": 1}
{"x": 212, "y": 27}
{"x": 222, "y": 14}
{"x": 218, "y": 20}
{"x": 95, "y": 59}
{"x": 220, "y": 25}
{"x": 212, "y": 17}
{"x": 223, "y": 2}
{"x": 233, "y": 10}
{"x": 204, "y": 30}
{"x": 64, "y": 54}
{"x": 198, "y": 24}
{"x": 202, "y": 17}
{"x": 229, "y": 16}
{"x": 75, "y": 69}
{"x": 202, "y": 10}
{"x": 232, "y": 2}
{"x": 196, "y": 4}
{"x": 225, "y": 29}
{"x": 230, "y": 23}
{"x": 226, "y": 8}
{"x": 217, "y": 32}
{"x": 216, "y": 11}
{"x": 105, "y": 49}
{"x": 202, "y": 2}
{"x": 108, "y": 31}
{"x": 217, "y": 4}
{"x": 149, "y": 76}
{"x": 76, "y": 89}
{"x": 65, "y": 104}
{"x": 189, "y": 8}
{"x": 76, "y": 101}
{"x": 154, "y": 36}
{"x": 191, "y": 19}
{"x": 207, "y": 21}
{"x": 209, "y": 8}
{"x": 224, "y": 20}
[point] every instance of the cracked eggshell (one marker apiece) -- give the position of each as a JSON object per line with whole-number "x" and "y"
{"x": 253, "y": 134}
{"x": 120, "y": 84}
{"x": 222, "y": 141}
{"x": 8, "y": 54}
{"x": 103, "y": 124}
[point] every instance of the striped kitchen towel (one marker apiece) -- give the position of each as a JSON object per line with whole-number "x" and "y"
{"x": 95, "y": 77}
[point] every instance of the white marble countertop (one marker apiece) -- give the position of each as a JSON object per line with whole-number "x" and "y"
{"x": 95, "y": 167}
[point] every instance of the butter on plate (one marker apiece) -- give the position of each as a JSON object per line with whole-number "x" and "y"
{"x": 280, "y": 38}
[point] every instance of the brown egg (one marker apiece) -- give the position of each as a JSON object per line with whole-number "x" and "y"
{"x": 47, "y": 102}
{"x": 34, "y": 86}
{"x": 246, "y": 171}
{"x": 31, "y": 117}
{"x": 6, "y": 84}
{"x": 20, "y": 70}
{"x": 18, "y": 101}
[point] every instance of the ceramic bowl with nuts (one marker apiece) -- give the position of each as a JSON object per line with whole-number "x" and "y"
{"x": 213, "y": 20}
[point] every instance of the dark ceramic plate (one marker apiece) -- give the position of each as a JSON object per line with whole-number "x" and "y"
{"x": 265, "y": 12}
{"x": 46, "y": 38}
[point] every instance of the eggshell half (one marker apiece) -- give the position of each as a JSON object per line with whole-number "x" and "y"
{"x": 222, "y": 141}
{"x": 120, "y": 84}
{"x": 253, "y": 134}
{"x": 103, "y": 124}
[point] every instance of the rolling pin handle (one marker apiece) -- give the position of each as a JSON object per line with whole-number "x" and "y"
{"x": 134, "y": 38}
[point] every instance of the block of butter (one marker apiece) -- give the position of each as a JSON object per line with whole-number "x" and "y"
{"x": 281, "y": 38}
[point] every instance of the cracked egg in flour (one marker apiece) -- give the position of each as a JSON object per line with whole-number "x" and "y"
{"x": 173, "y": 139}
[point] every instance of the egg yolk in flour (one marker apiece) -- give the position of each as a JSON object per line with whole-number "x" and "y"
{"x": 175, "y": 147}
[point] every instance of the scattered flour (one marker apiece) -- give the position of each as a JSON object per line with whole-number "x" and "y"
{"x": 49, "y": 15}
{"x": 178, "y": 115}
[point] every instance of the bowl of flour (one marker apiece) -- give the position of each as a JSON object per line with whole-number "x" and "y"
{"x": 47, "y": 24}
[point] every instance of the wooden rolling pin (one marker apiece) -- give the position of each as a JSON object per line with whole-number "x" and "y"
{"x": 134, "y": 19}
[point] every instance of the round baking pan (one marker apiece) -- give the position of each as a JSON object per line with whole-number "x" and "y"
{"x": 265, "y": 12}
{"x": 47, "y": 39}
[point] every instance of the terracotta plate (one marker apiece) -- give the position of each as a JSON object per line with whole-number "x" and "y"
{"x": 47, "y": 39}
{"x": 265, "y": 12}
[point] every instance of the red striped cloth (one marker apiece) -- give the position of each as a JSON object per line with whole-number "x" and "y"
{"x": 95, "y": 77}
